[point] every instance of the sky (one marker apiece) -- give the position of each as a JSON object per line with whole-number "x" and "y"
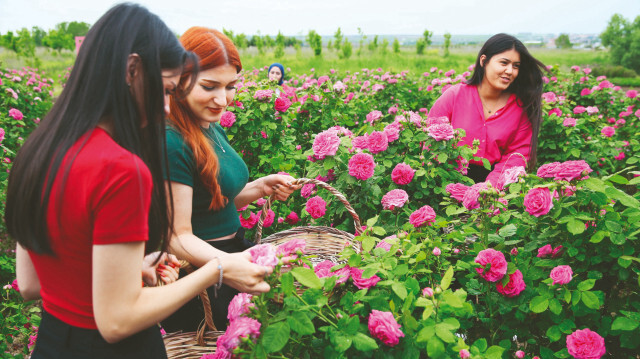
{"x": 380, "y": 17}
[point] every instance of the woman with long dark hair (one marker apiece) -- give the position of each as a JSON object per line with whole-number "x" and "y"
{"x": 208, "y": 178}
{"x": 500, "y": 106}
{"x": 86, "y": 198}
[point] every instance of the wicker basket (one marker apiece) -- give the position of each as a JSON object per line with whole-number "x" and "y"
{"x": 193, "y": 345}
{"x": 321, "y": 242}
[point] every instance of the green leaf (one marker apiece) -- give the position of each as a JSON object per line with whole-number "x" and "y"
{"x": 444, "y": 333}
{"x": 481, "y": 344}
{"x": 372, "y": 221}
{"x": 590, "y": 300}
{"x": 275, "y": 337}
{"x": 368, "y": 243}
{"x": 425, "y": 334}
{"x": 364, "y": 343}
{"x": 623, "y": 323}
{"x": 442, "y": 157}
{"x": 539, "y": 304}
{"x": 575, "y": 226}
{"x": 329, "y": 163}
{"x": 555, "y": 307}
{"x": 446, "y": 279}
{"x": 494, "y": 352}
{"x": 307, "y": 277}
{"x": 287, "y": 283}
{"x": 554, "y": 334}
{"x": 508, "y": 230}
{"x": 399, "y": 289}
{"x": 435, "y": 347}
{"x": 594, "y": 184}
{"x": 598, "y": 236}
{"x": 300, "y": 323}
{"x": 613, "y": 226}
{"x": 586, "y": 285}
{"x": 340, "y": 341}
{"x": 450, "y": 299}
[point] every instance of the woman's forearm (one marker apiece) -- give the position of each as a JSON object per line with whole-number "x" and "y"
{"x": 251, "y": 192}
{"x": 188, "y": 247}
{"x": 26, "y": 275}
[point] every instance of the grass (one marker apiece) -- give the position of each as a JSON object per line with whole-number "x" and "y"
{"x": 55, "y": 64}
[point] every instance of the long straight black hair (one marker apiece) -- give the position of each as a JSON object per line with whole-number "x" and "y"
{"x": 97, "y": 90}
{"x": 527, "y": 86}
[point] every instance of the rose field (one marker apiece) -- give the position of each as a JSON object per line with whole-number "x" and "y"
{"x": 542, "y": 264}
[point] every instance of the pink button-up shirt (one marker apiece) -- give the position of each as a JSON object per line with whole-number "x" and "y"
{"x": 504, "y": 134}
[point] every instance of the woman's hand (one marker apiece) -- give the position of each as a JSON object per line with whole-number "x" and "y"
{"x": 240, "y": 273}
{"x": 167, "y": 267}
{"x": 281, "y": 185}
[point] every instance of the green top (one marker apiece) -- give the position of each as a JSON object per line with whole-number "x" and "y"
{"x": 232, "y": 177}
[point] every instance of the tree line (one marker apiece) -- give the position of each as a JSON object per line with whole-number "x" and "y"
{"x": 24, "y": 42}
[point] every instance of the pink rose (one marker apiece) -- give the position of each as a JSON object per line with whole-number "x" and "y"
{"x": 437, "y": 251}
{"x": 260, "y": 202}
{"x": 548, "y": 170}
{"x": 497, "y": 261}
{"x": 569, "y": 122}
{"x": 316, "y": 206}
{"x": 377, "y": 142}
{"x": 263, "y": 95}
{"x": 464, "y": 354}
{"x": 402, "y": 174}
{"x": 239, "y": 306}
{"x": 291, "y": 247}
{"x": 423, "y": 216}
{"x": 519, "y": 354}
{"x": 282, "y": 104}
{"x": 457, "y": 190}
{"x": 620, "y": 156}
{"x": 579, "y": 109}
{"x": 555, "y": 111}
{"x": 592, "y": 110}
{"x": 392, "y": 131}
{"x": 394, "y": 199}
{"x": 441, "y": 132}
{"x": 570, "y": 170}
{"x": 557, "y": 252}
{"x": 585, "y": 344}
{"x": 383, "y": 326}
{"x": 538, "y": 201}
{"x": 264, "y": 255}
{"x": 248, "y": 223}
{"x": 15, "y": 286}
{"x": 470, "y": 198}
{"x": 585, "y": 92}
{"x": 307, "y": 190}
{"x": 514, "y": 251}
{"x": 16, "y": 114}
{"x": 514, "y": 287}
{"x": 561, "y": 274}
{"x": 630, "y": 94}
{"x": 268, "y": 219}
{"x": 373, "y": 116}
{"x": 384, "y": 245}
{"x": 510, "y": 175}
{"x": 361, "y": 166}
{"x": 363, "y": 283}
{"x": 325, "y": 269}
{"x": 544, "y": 251}
{"x": 1, "y": 134}
{"x": 427, "y": 292}
{"x": 326, "y": 143}
{"x": 360, "y": 142}
{"x": 292, "y": 218}
{"x": 608, "y": 131}
{"x": 227, "y": 119}
{"x": 242, "y": 327}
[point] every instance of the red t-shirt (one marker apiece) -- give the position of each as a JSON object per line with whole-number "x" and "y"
{"x": 105, "y": 200}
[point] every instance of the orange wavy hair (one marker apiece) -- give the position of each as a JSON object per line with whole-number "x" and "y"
{"x": 214, "y": 49}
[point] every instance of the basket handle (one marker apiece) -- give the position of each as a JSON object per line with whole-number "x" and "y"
{"x": 303, "y": 181}
{"x": 206, "y": 303}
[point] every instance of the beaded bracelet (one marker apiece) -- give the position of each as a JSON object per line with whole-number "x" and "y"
{"x": 219, "y": 284}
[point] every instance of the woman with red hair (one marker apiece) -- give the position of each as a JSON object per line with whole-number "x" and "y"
{"x": 208, "y": 179}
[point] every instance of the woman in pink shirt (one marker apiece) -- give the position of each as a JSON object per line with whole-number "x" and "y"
{"x": 500, "y": 106}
